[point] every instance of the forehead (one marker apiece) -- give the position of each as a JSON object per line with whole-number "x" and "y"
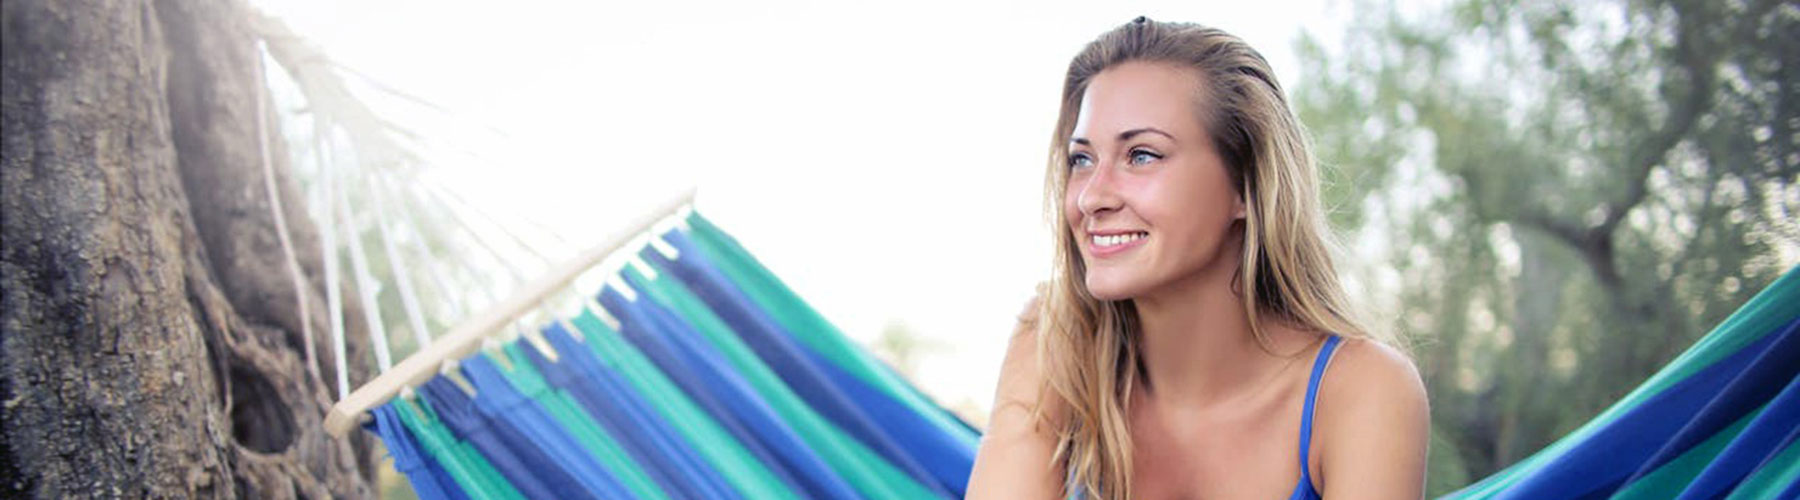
{"x": 1139, "y": 94}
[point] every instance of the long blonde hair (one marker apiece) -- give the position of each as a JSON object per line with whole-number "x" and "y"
{"x": 1088, "y": 346}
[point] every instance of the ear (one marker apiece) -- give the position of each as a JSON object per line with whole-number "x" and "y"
{"x": 1237, "y": 208}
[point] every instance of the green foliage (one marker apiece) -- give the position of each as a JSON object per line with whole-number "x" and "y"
{"x": 1569, "y": 193}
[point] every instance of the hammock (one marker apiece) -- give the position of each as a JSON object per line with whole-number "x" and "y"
{"x": 1719, "y": 422}
{"x": 700, "y": 375}
{"x": 703, "y": 376}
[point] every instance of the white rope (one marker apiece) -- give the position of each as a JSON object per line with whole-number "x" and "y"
{"x": 334, "y": 300}
{"x": 517, "y": 239}
{"x": 449, "y": 198}
{"x": 440, "y": 282}
{"x": 499, "y": 259}
{"x": 452, "y": 300}
{"x": 281, "y": 229}
{"x": 366, "y": 284}
{"x": 402, "y": 276}
{"x": 489, "y": 292}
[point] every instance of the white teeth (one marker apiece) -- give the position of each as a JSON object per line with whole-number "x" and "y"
{"x": 1117, "y": 239}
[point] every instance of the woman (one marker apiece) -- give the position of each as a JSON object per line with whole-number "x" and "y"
{"x": 1195, "y": 341}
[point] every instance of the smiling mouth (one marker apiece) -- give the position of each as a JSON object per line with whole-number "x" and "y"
{"x": 1105, "y": 241}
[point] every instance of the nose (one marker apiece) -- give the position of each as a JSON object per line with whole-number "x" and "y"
{"x": 1098, "y": 192}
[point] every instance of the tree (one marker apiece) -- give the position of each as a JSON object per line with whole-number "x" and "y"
{"x": 1577, "y": 191}
{"x": 152, "y": 346}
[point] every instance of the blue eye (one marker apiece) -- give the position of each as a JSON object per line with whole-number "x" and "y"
{"x": 1141, "y": 157}
{"x": 1080, "y": 160}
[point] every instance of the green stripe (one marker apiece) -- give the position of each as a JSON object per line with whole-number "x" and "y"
{"x": 751, "y": 477}
{"x": 867, "y": 472}
{"x": 466, "y": 466}
{"x": 570, "y": 415}
{"x": 764, "y": 288}
{"x": 1671, "y": 478}
{"x": 1779, "y": 474}
{"x": 1759, "y": 317}
{"x": 811, "y": 328}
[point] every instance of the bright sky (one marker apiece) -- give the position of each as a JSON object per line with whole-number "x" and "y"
{"x": 886, "y": 161}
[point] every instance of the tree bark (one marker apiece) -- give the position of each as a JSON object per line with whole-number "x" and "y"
{"x": 151, "y": 340}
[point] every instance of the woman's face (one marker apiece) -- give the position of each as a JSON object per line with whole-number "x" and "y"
{"x": 1148, "y": 199}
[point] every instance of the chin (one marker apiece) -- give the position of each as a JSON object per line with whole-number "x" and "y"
{"x": 1106, "y": 286}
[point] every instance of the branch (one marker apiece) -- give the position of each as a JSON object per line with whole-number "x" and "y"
{"x": 1697, "y": 64}
{"x": 1595, "y": 247}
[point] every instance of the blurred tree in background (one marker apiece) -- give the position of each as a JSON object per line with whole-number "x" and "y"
{"x": 1577, "y": 191}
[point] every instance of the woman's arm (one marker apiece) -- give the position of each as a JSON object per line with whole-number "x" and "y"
{"x": 1014, "y": 459}
{"x": 1373, "y": 425}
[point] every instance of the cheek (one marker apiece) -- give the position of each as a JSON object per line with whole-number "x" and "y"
{"x": 1196, "y": 207}
{"x": 1162, "y": 202}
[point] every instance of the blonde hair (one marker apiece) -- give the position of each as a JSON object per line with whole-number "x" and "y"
{"x": 1089, "y": 346}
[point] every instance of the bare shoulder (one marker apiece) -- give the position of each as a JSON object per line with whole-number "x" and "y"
{"x": 1372, "y": 424}
{"x": 1014, "y": 459}
{"x": 1368, "y": 371}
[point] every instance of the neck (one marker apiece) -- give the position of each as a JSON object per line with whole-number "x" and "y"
{"x": 1196, "y": 347}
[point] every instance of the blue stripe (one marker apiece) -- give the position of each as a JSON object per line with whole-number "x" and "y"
{"x": 525, "y": 466}
{"x": 497, "y": 400}
{"x": 720, "y": 245}
{"x": 776, "y": 349}
{"x": 1750, "y": 389}
{"x": 1600, "y": 464}
{"x": 1756, "y": 444}
{"x": 623, "y": 415}
{"x": 671, "y": 345}
{"x": 429, "y": 480}
{"x": 947, "y": 458}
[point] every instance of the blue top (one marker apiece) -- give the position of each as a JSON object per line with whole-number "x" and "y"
{"x": 1304, "y": 490}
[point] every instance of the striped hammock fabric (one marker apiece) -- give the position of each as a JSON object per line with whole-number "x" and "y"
{"x": 1719, "y": 422}
{"x": 718, "y": 382}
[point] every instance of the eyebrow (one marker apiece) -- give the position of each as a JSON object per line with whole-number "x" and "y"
{"x": 1127, "y": 135}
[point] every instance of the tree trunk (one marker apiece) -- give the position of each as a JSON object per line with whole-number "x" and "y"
{"x": 152, "y": 342}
